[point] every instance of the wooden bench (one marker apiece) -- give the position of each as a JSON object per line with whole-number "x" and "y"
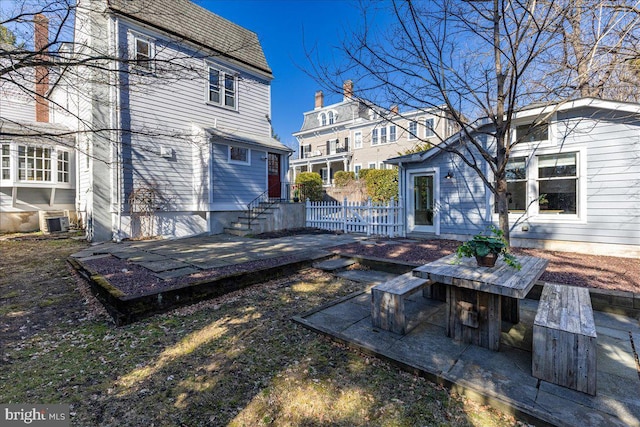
{"x": 564, "y": 338}
{"x": 387, "y": 301}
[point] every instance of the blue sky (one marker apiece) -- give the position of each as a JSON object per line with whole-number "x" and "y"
{"x": 284, "y": 28}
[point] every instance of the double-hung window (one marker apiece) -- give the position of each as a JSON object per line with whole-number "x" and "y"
{"x": 331, "y": 118}
{"x": 413, "y": 130}
{"x": 63, "y": 166}
{"x": 516, "y": 172}
{"x": 383, "y": 135}
{"x": 222, "y": 88}
{"x": 143, "y": 52}
{"x": 547, "y": 184}
{"x": 323, "y": 119}
{"x": 357, "y": 140}
{"x": 374, "y": 136}
{"x": 558, "y": 184}
{"x": 428, "y": 128}
{"x": 5, "y": 162}
{"x": 392, "y": 133}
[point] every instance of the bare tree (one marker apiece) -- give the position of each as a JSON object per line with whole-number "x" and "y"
{"x": 472, "y": 59}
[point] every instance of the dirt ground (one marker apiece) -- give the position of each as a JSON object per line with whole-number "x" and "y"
{"x": 569, "y": 268}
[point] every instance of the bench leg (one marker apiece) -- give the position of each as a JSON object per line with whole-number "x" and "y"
{"x": 387, "y": 312}
{"x": 510, "y": 309}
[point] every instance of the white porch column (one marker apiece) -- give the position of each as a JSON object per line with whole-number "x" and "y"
{"x": 328, "y": 173}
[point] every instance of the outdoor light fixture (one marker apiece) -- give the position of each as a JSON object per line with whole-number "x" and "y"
{"x": 449, "y": 175}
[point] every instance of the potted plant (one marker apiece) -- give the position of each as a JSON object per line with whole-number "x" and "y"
{"x": 487, "y": 248}
{"x": 296, "y": 195}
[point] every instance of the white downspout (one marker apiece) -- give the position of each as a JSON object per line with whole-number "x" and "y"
{"x": 115, "y": 124}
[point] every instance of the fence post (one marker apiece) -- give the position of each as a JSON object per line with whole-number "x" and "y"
{"x": 390, "y": 223}
{"x": 344, "y": 215}
{"x": 308, "y": 213}
{"x": 369, "y": 225}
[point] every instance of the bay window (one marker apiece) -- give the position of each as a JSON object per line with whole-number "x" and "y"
{"x": 34, "y": 163}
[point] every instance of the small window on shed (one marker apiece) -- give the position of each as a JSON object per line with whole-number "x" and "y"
{"x": 239, "y": 155}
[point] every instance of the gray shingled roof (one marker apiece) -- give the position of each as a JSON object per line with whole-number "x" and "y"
{"x": 185, "y": 19}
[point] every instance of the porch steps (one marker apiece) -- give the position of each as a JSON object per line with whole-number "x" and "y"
{"x": 240, "y": 227}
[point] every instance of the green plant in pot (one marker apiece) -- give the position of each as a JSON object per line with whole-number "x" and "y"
{"x": 487, "y": 248}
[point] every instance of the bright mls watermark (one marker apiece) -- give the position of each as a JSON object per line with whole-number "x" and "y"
{"x": 34, "y": 415}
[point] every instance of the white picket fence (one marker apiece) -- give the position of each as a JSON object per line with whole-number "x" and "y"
{"x": 354, "y": 217}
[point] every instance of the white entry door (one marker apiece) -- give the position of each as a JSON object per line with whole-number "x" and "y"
{"x": 422, "y": 194}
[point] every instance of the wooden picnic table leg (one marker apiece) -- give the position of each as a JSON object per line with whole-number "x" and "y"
{"x": 474, "y": 317}
{"x": 510, "y": 309}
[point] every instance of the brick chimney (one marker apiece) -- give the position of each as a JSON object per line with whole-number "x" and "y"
{"x": 394, "y": 109}
{"x": 319, "y": 99}
{"x": 41, "y": 24}
{"x": 347, "y": 89}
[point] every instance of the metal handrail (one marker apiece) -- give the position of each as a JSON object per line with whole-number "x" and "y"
{"x": 263, "y": 202}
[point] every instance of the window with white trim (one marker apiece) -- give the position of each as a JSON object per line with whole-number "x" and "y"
{"x": 413, "y": 130}
{"x": 392, "y": 133}
{"x": 428, "y": 128}
{"x": 547, "y": 184}
{"x": 356, "y": 170}
{"x": 374, "y": 137}
{"x": 372, "y": 165}
{"x": 143, "y": 52}
{"x": 5, "y": 162}
{"x": 34, "y": 163}
{"x": 516, "y": 173}
{"x": 63, "y": 166}
{"x": 383, "y": 135}
{"x": 239, "y": 155}
{"x": 222, "y": 88}
{"x": 558, "y": 184}
{"x": 532, "y": 133}
{"x": 357, "y": 140}
{"x": 323, "y": 119}
{"x": 331, "y": 117}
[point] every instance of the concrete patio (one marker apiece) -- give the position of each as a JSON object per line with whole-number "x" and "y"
{"x": 502, "y": 379}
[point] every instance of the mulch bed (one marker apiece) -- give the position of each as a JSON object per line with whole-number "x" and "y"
{"x": 569, "y": 268}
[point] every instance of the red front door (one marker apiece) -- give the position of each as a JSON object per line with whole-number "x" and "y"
{"x": 275, "y": 186}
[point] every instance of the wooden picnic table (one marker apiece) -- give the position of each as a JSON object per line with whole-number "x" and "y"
{"x": 479, "y": 298}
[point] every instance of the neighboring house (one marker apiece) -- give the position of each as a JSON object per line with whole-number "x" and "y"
{"x": 574, "y": 182}
{"x": 179, "y": 126}
{"x": 37, "y": 157}
{"x": 351, "y": 135}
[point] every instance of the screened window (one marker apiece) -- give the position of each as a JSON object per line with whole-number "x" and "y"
{"x": 428, "y": 125}
{"x": 357, "y": 140}
{"x": 517, "y": 184}
{"x": 558, "y": 183}
{"x": 239, "y": 155}
{"x": 392, "y": 133}
{"x": 374, "y": 137}
{"x": 413, "y": 130}
{"x": 5, "y": 162}
{"x": 63, "y": 166}
{"x": 34, "y": 163}
{"x": 529, "y": 133}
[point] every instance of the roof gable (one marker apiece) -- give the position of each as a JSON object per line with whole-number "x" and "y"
{"x": 187, "y": 20}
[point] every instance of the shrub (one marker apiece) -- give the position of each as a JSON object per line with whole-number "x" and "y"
{"x": 343, "y": 178}
{"x": 382, "y": 184}
{"x": 311, "y": 186}
{"x": 363, "y": 173}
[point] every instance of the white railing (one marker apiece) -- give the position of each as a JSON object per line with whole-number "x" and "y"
{"x": 354, "y": 217}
